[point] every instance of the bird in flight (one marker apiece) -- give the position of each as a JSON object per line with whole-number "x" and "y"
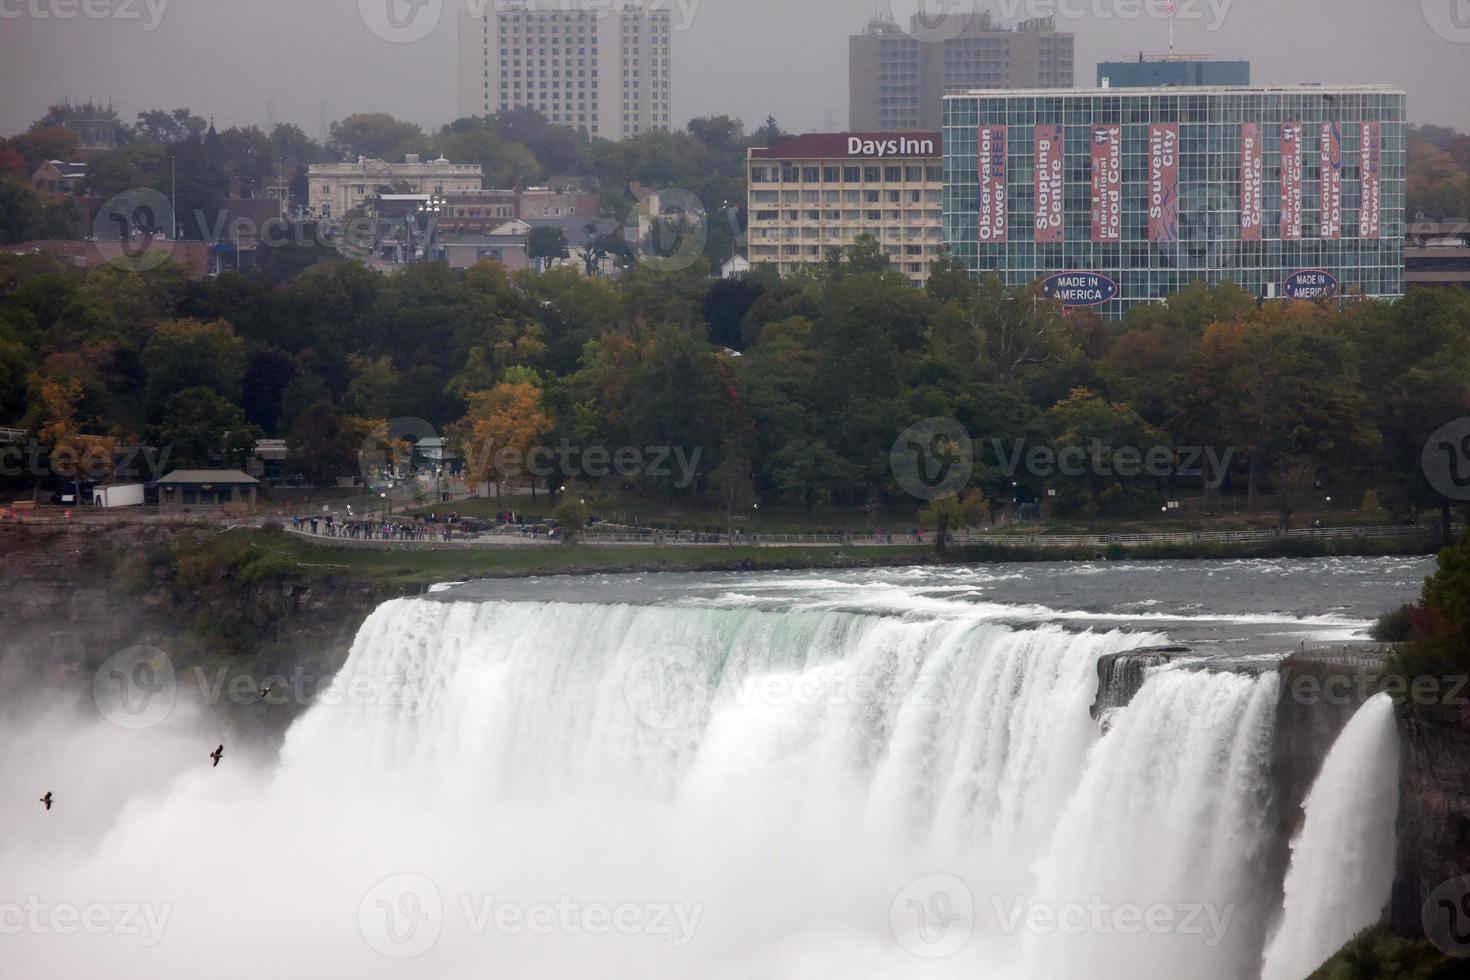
{"x": 215, "y": 755}
{"x": 47, "y": 799}
{"x": 264, "y": 693}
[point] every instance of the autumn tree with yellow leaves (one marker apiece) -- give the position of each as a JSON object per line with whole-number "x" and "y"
{"x": 499, "y": 431}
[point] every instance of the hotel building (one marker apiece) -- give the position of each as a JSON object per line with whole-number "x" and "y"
{"x": 820, "y": 191}
{"x": 603, "y": 69}
{"x": 897, "y": 78}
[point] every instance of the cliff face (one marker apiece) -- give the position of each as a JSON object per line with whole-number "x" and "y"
{"x": 74, "y": 596}
{"x": 1434, "y": 808}
{"x": 1121, "y": 675}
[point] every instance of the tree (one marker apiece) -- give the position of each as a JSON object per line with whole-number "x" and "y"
{"x": 499, "y": 431}
{"x": 293, "y": 147}
{"x": 375, "y": 135}
{"x": 1439, "y": 639}
{"x": 571, "y": 518}
{"x": 188, "y": 353}
{"x": 546, "y": 243}
{"x": 200, "y": 430}
{"x": 951, "y": 511}
{"x": 732, "y": 481}
{"x": 61, "y": 432}
{"x": 319, "y": 445}
{"x": 1115, "y": 443}
{"x": 161, "y": 127}
{"x": 808, "y": 470}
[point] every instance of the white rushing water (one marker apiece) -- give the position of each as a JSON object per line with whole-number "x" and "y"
{"x": 555, "y": 790}
{"x": 1342, "y": 863}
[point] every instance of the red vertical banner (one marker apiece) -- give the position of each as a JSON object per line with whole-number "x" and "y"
{"x": 1331, "y": 143}
{"x": 1050, "y": 185}
{"x": 1252, "y": 183}
{"x": 1370, "y": 166}
{"x": 993, "y": 202}
{"x": 1107, "y": 183}
{"x": 1163, "y": 182}
{"x": 1291, "y": 182}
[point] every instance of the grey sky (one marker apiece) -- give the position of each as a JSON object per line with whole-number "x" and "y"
{"x": 748, "y": 58}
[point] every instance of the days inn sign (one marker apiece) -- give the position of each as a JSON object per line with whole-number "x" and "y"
{"x": 1079, "y": 288}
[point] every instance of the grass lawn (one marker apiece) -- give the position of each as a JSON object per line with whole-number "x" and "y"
{"x": 424, "y": 567}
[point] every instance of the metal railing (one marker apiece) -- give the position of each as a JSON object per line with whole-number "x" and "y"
{"x": 505, "y": 538}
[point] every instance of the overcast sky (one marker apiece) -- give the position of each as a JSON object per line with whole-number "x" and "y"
{"x": 748, "y": 58}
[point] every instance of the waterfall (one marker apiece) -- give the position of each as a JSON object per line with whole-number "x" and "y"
{"x": 815, "y": 791}
{"x": 1342, "y": 862}
{"x": 1169, "y": 819}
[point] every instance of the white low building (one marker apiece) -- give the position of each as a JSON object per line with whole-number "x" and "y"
{"x": 337, "y": 188}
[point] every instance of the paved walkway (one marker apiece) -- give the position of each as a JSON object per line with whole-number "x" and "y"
{"x": 504, "y": 539}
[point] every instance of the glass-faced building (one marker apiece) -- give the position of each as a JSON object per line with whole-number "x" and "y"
{"x": 1113, "y": 197}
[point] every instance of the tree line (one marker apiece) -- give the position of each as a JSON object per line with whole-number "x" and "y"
{"x": 791, "y": 389}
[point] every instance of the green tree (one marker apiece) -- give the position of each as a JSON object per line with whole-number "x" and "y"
{"x": 951, "y": 512}
{"x": 320, "y": 446}
{"x": 188, "y": 353}
{"x": 376, "y": 135}
{"x": 201, "y": 430}
{"x": 546, "y": 244}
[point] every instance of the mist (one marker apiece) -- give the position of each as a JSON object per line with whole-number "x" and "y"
{"x": 312, "y": 63}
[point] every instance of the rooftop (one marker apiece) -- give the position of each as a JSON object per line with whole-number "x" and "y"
{"x": 1176, "y": 91}
{"x": 209, "y": 476}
